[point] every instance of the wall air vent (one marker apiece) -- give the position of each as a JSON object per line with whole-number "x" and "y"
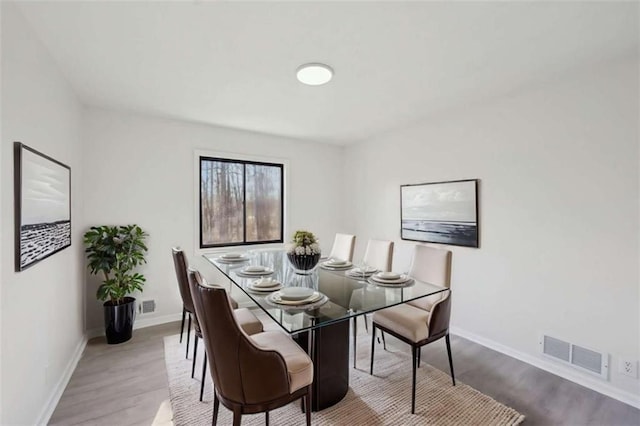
{"x": 588, "y": 360}
{"x": 147, "y": 306}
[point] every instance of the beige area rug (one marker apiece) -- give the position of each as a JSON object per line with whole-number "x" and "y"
{"x": 382, "y": 399}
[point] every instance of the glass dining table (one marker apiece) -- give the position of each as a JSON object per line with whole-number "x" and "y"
{"x": 320, "y": 327}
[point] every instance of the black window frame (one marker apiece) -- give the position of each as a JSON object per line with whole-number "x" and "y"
{"x": 244, "y": 163}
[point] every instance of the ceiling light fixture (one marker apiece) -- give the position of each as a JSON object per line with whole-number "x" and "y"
{"x": 314, "y": 74}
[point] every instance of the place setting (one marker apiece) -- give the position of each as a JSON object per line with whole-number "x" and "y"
{"x": 361, "y": 272}
{"x": 336, "y": 264}
{"x": 252, "y": 271}
{"x": 264, "y": 285}
{"x": 297, "y": 297}
{"x": 232, "y": 258}
{"x": 390, "y": 279}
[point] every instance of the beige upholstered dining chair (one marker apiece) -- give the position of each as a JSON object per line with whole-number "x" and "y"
{"x": 249, "y": 323}
{"x": 430, "y": 265}
{"x": 416, "y": 327}
{"x": 378, "y": 254}
{"x": 251, "y": 374}
{"x": 343, "y": 246}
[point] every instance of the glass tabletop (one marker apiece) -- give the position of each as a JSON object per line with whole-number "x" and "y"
{"x": 339, "y": 297}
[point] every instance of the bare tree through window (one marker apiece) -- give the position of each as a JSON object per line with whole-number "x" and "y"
{"x": 240, "y": 202}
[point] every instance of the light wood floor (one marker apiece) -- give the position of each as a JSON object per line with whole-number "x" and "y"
{"x": 127, "y": 384}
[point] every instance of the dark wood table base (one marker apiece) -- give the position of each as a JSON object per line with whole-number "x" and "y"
{"x": 328, "y": 347}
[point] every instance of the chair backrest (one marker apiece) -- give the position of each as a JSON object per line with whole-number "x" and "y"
{"x": 439, "y": 316}
{"x": 343, "y": 246}
{"x": 431, "y": 265}
{"x": 181, "y": 265}
{"x": 243, "y": 372}
{"x": 379, "y": 254}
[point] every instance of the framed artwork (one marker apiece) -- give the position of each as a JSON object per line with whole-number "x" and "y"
{"x": 440, "y": 212}
{"x": 42, "y": 191}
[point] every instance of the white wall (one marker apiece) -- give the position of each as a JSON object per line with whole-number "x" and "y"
{"x": 141, "y": 170}
{"x": 42, "y": 307}
{"x": 559, "y": 225}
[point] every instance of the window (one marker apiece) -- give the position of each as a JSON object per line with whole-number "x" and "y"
{"x": 241, "y": 202}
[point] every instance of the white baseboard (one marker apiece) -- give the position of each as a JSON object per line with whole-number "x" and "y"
{"x": 139, "y": 323}
{"x": 548, "y": 365}
{"x": 58, "y": 390}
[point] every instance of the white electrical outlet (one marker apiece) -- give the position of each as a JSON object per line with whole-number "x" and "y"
{"x": 628, "y": 367}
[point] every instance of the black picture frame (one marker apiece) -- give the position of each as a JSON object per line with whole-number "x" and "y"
{"x": 441, "y": 212}
{"x": 42, "y": 206}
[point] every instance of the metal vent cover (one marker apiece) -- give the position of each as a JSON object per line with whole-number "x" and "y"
{"x": 585, "y": 359}
{"x": 557, "y": 348}
{"x": 148, "y": 306}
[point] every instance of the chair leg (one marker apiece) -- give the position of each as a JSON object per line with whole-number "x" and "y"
{"x": 373, "y": 346}
{"x": 355, "y": 332}
{"x": 204, "y": 374}
{"x": 184, "y": 315}
{"x": 366, "y": 323}
{"x": 216, "y": 405}
{"x": 188, "y": 332}
{"x": 413, "y": 383}
{"x": 307, "y": 404}
{"x": 266, "y": 418}
{"x": 384, "y": 342}
{"x": 453, "y": 377}
{"x": 237, "y": 416}
{"x": 419, "y": 355}
{"x": 195, "y": 354}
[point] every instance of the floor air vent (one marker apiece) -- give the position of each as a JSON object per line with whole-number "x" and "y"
{"x": 582, "y": 358}
{"x": 147, "y": 306}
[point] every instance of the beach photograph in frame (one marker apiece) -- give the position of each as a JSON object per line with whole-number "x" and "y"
{"x": 440, "y": 212}
{"x": 42, "y": 190}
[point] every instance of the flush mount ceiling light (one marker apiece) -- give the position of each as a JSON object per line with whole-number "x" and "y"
{"x": 314, "y": 74}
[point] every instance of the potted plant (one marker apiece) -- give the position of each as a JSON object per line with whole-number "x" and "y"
{"x": 115, "y": 252}
{"x": 303, "y": 252}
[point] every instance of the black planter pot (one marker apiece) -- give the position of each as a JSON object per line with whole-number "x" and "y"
{"x": 303, "y": 263}
{"x": 118, "y": 320}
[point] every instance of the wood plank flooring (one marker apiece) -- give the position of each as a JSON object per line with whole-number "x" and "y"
{"x": 127, "y": 384}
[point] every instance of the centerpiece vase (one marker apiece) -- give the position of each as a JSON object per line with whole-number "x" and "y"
{"x": 303, "y": 264}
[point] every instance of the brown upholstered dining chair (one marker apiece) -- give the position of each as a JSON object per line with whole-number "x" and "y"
{"x": 251, "y": 374}
{"x": 249, "y": 323}
{"x": 417, "y": 328}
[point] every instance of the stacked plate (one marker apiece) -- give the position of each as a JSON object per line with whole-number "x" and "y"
{"x": 232, "y": 258}
{"x": 264, "y": 285}
{"x": 296, "y": 296}
{"x": 361, "y": 272}
{"x": 255, "y": 271}
{"x": 336, "y": 264}
{"x": 390, "y": 279}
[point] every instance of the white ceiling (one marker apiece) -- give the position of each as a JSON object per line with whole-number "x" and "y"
{"x": 233, "y": 64}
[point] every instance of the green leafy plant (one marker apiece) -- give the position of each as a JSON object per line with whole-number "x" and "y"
{"x": 114, "y": 252}
{"x": 304, "y": 243}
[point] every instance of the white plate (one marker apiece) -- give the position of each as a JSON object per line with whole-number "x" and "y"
{"x": 296, "y": 293}
{"x": 264, "y": 272}
{"x": 336, "y": 262}
{"x": 387, "y": 275}
{"x": 328, "y": 265}
{"x": 265, "y": 283}
{"x": 253, "y": 268}
{"x": 252, "y": 287}
{"x": 403, "y": 279}
{"x": 231, "y": 256}
{"x": 315, "y": 297}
